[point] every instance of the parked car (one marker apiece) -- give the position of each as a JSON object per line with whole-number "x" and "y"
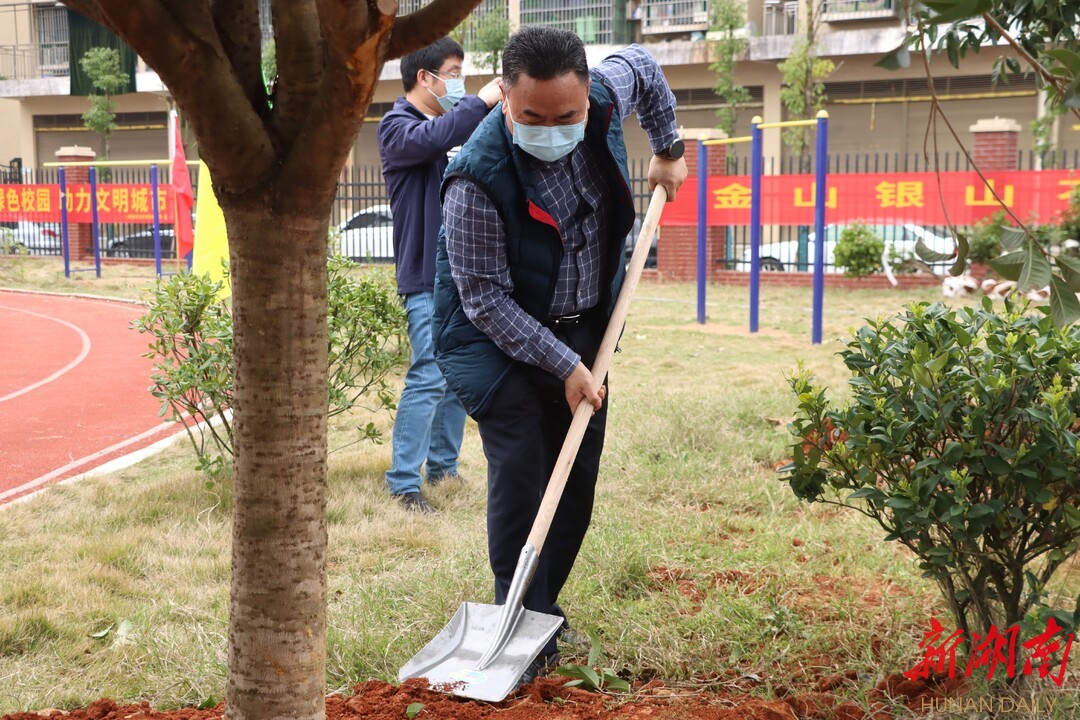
{"x": 368, "y": 235}
{"x": 900, "y": 241}
{"x": 140, "y": 244}
{"x": 33, "y": 238}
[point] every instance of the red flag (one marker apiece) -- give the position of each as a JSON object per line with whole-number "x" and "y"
{"x": 185, "y": 198}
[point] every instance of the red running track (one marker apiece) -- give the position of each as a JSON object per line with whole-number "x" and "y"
{"x": 73, "y": 389}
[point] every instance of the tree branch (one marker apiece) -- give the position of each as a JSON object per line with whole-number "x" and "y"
{"x": 428, "y": 24}
{"x": 177, "y": 38}
{"x": 300, "y": 57}
{"x": 241, "y": 41}
{"x": 90, "y": 10}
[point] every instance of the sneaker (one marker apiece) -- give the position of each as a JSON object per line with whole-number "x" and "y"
{"x": 415, "y": 502}
{"x": 434, "y": 480}
{"x": 542, "y": 665}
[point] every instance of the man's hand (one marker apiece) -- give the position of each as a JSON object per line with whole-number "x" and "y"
{"x": 669, "y": 173}
{"x": 491, "y": 93}
{"x": 579, "y": 386}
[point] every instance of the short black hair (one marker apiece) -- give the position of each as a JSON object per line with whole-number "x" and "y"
{"x": 429, "y": 58}
{"x": 543, "y": 53}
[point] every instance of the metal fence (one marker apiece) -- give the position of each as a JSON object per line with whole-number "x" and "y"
{"x": 788, "y": 248}
{"x": 361, "y": 220}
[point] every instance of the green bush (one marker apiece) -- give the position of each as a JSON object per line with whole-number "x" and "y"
{"x": 859, "y": 251}
{"x": 984, "y": 242}
{"x": 962, "y": 442}
{"x": 192, "y": 343}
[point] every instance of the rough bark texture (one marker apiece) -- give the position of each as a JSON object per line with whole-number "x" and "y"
{"x": 277, "y": 623}
{"x": 275, "y": 163}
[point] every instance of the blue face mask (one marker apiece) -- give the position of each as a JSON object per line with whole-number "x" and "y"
{"x": 548, "y": 143}
{"x": 455, "y": 90}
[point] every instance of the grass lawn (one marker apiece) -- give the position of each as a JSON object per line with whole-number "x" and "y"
{"x": 701, "y": 567}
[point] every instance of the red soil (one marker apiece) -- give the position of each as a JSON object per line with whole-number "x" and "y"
{"x": 547, "y": 699}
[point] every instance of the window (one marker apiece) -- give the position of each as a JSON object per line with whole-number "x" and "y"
{"x": 51, "y": 29}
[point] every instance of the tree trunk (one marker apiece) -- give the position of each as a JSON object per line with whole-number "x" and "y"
{"x": 277, "y": 618}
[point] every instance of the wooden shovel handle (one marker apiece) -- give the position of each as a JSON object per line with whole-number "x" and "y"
{"x": 584, "y": 412}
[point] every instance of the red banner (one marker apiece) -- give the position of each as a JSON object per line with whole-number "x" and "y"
{"x": 116, "y": 203}
{"x": 881, "y": 198}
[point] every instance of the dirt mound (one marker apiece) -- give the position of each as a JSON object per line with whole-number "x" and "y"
{"x": 549, "y": 699}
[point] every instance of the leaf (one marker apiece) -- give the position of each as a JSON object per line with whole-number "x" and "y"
{"x": 123, "y": 632}
{"x": 1070, "y": 271}
{"x": 897, "y": 59}
{"x": 1012, "y": 238}
{"x": 1036, "y": 272}
{"x": 962, "y": 247}
{"x": 595, "y": 649}
{"x": 102, "y": 633}
{"x": 949, "y": 11}
{"x": 1010, "y": 266}
{"x": 614, "y": 682}
{"x": 585, "y": 674}
{"x": 866, "y": 492}
{"x": 1064, "y": 307}
{"x": 413, "y": 710}
{"x": 1069, "y": 59}
{"x": 930, "y": 256}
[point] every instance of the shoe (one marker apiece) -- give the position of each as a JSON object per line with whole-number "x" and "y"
{"x": 445, "y": 478}
{"x": 415, "y": 502}
{"x": 573, "y": 642}
{"x": 542, "y": 665}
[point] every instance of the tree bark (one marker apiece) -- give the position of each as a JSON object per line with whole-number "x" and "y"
{"x": 275, "y": 168}
{"x": 277, "y": 623}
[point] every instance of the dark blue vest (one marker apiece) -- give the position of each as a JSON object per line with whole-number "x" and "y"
{"x": 474, "y": 367}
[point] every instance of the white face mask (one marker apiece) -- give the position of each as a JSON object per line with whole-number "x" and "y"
{"x": 547, "y": 143}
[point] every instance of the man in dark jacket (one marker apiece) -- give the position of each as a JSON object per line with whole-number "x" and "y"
{"x": 536, "y": 209}
{"x": 433, "y": 117}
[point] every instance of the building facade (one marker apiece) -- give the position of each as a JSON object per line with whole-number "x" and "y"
{"x": 872, "y": 110}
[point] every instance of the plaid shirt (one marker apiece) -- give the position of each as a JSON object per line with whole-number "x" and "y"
{"x": 573, "y": 192}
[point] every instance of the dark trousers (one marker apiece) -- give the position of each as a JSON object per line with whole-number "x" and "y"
{"x": 523, "y": 432}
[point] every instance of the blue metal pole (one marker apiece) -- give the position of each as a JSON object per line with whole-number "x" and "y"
{"x": 755, "y": 219}
{"x": 94, "y": 226}
{"x": 702, "y": 208}
{"x": 64, "y": 223}
{"x": 157, "y": 219}
{"x": 821, "y": 165}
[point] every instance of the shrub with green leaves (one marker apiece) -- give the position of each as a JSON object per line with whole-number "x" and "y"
{"x": 985, "y": 238}
{"x": 190, "y": 328}
{"x": 859, "y": 251}
{"x": 962, "y": 441}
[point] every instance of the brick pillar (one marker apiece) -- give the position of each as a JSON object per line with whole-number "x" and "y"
{"x": 80, "y": 235}
{"x": 676, "y": 250}
{"x": 994, "y": 144}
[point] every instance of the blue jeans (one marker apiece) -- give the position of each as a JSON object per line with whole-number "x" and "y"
{"x": 430, "y": 419}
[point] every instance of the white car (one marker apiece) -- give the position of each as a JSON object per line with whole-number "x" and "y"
{"x": 900, "y": 241}
{"x": 368, "y": 235}
{"x": 33, "y": 238}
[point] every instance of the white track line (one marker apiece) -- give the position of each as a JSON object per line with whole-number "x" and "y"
{"x": 82, "y": 461}
{"x": 82, "y": 355}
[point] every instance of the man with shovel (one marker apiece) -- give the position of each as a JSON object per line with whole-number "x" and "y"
{"x": 529, "y": 264}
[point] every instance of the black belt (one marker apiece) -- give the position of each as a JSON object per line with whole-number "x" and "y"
{"x": 563, "y": 321}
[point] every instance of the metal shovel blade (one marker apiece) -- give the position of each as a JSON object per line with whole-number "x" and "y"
{"x": 449, "y": 662}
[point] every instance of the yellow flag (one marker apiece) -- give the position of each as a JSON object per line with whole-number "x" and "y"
{"x": 211, "y": 240}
